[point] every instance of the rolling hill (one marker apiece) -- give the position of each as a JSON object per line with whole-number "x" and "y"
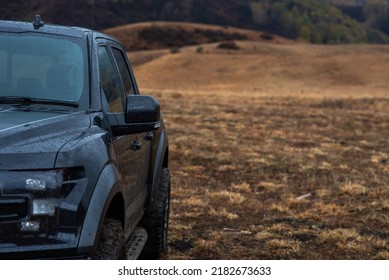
{"x": 260, "y": 68}
{"x": 325, "y": 21}
{"x": 165, "y": 35}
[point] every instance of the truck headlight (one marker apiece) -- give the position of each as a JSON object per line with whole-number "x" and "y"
{"x": 30, "y": 226}
{"x": 35, "y": 185}
{"x": 42, "y": 192}
{"x": 41, "y": 183}
{"x": 44, "y": 207}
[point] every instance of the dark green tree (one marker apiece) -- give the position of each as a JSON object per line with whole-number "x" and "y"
{"x": 310, "y": 20}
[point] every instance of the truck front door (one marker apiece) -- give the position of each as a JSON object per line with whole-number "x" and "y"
{"x": 132, "y": 151}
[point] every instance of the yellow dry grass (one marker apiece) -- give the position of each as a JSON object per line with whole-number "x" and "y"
{"x": 277, "y": 151}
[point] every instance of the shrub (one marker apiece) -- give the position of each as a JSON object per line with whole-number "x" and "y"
{"x": 200, "y": 49}
{"x": 230, "y": 45}
{"x": 175, "y": 50}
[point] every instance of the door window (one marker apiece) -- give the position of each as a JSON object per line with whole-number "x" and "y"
{"x": 124, "y": 72}
{"x": 109, "y": 81}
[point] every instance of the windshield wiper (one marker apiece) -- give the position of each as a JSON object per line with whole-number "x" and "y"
{"x": 26, "y": 101}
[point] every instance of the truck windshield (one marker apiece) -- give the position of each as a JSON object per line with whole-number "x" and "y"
{"x": 44, "y": 67}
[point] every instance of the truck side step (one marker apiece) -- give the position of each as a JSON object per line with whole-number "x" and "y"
{"x": 136, "y": 242}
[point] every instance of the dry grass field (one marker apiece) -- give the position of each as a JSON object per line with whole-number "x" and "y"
{"x": 278, "y": 151}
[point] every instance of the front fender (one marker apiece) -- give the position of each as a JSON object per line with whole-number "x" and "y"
{"x": 108, "y": 184}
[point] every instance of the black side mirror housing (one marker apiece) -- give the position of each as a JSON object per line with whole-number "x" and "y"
{"x": 142, "y": 109}
{"x": 142, "y": 114}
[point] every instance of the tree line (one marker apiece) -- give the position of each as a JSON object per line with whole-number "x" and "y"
{"x": 325, "y": 21}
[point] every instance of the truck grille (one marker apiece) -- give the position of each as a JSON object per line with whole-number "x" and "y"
{"x": 13, "y": 208}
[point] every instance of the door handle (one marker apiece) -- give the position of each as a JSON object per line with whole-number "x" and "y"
{"x": 136, "y": 145}
{"x": 149, "y": 136}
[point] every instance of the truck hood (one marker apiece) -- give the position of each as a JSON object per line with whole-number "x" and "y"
{"x": 32, "y": 139}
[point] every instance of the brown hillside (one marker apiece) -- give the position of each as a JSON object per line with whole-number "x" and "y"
{"x": 267, "y": 69}
{"x": 164, "y": 35}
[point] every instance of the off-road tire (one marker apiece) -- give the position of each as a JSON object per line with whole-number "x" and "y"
{"x": 111, "y": 244}
{"x": 157, "y": 223}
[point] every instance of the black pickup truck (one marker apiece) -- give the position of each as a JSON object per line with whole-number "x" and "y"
{"x": 83, "y": 156}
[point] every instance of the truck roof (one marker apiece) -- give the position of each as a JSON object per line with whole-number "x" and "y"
{"x": 70, "y": 31}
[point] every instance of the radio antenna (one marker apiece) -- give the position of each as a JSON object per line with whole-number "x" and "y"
{"x": 91, "y": 51}
{"x": 93, "y": 15}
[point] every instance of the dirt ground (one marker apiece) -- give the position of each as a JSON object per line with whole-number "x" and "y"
{"x": 276, "y": 151}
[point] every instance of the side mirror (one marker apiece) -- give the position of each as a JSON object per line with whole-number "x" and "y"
{"x": 142, "y": 114}
{"x": 142, "y": 109}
